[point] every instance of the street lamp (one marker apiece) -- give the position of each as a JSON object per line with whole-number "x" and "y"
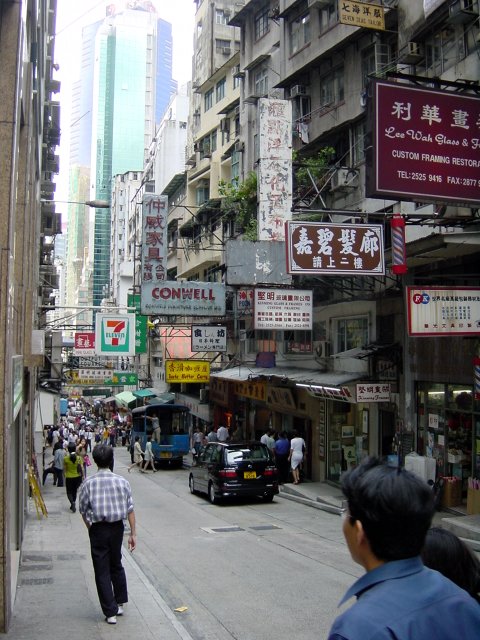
{"x": 95, "y": 204}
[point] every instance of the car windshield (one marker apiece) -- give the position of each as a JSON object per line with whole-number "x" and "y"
{"x": 255, "y": 452}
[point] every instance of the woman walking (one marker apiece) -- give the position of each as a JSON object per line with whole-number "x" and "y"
{"x": 297, "y": 451}
{"x": 137, "y": 456}
{"x": 73, "y": 467}
{"x": 149, "y": 458}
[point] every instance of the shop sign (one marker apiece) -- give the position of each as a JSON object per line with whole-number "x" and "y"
{"x": 84, "y": 343}
{"x": 425, "y": 144}
{"x": 434, "y": 311}
{"x": 140, "y": 323}
{"x": 373, "y": 392}
{"x": 281, "y": 398}
{"x": 101, "y": 377}
{"x": 219, "y": 391}
{"x": 115, "y": 334}
{"x": 283, "y": 309}
{"x": 252, "y": 390}
{"x": 329, "y": 393}
{"x": 274, "y": 168}
{"x": 198, "y": 409}
{"x": 209, "y": 338}
{"x": 245, "y": 300}
{"x": 361, "y": 14}
{"x": 183, "y": 298}
{"x": 334, "y": 249}
{"x": 154, "y": 239}
{"x": 187, "y": 371}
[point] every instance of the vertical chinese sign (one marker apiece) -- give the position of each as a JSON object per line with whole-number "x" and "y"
{"x": 140, "y": 324}
{"x": 154, "y": 242}
{"x": 275, "y": 168}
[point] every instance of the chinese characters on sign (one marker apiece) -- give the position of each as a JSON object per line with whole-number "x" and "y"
{"x": 361, "y": 14}
{"x": 433, "y": 311}
{"x": 187, "y": 371}
{"x": 317, "y": 247}
{"x": 245, "y": 298}
{"x": 426, "y": 144}
{"x": 275, "y": 168}
{"x": 283, "y": 309}
{"x": 253, "y": 390}
{"x": 84, "y": 343}
{"x": 140, "y": 324}
{"x": 154, "y": 238}
{"x": 373, "y": 392}
{"x": 101, "y": 377}
{"x": 209, "y": 338}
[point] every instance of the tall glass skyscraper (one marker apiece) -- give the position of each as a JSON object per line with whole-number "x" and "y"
{"x": 127, "y": 81}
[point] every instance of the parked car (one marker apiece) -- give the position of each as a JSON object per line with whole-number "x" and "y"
{"x": 223, "y": 470}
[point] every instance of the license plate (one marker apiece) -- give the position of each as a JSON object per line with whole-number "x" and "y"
{"x": 165, "y": 454}
{"x": 249, "y": 475}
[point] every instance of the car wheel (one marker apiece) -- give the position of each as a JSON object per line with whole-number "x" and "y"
{"x": 211, "y": 494}
{"x": 268, "y": 498}
{"x": 191, "y": 484}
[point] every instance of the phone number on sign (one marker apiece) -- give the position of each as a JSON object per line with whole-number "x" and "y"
{"x": 432, "y": 177}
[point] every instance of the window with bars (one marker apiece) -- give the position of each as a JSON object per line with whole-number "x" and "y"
{"x": 261, "y": 24}
{"x": 299, "y": 33}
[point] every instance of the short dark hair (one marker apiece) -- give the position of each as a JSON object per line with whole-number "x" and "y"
{"x": 394, "y": 506}
{"x": 446, "y": 553}
{"x": 103, "y": 455}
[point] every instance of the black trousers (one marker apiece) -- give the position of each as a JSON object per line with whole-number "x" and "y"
{"x": 106, "y": 547}
{"x": 283, "y": 467}
{"x": 71, "y": 485}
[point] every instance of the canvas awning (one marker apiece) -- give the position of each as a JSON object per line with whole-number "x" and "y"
{"x": 162, "y": 398}
{"x": 144, "y": 393}
{"x": 286, "y": 374}
{"x": 126, "y": 398}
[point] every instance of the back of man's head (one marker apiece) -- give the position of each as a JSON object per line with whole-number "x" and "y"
{"x": 394, "y": 506}
{"x": 103, "y": 455}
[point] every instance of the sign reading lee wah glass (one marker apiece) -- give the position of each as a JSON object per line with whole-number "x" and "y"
{"x": 433, "y": 311}
{"x": 425, "y": 144}
{"x": 283, "y": 309}
{"x": 317, "y": 247}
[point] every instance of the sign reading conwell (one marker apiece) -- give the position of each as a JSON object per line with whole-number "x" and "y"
{"x": 425, "y": 144}
{"x": 433, "y": 311}
{"x": 317, "y": 247}
{"x": 283, "y": 309}
{"x": 183, "y": 298}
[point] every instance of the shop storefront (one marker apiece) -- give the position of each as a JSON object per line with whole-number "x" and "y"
{"x": 449, "y": 429}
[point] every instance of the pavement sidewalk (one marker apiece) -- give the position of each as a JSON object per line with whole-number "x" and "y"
{"x": 56, "y": 596}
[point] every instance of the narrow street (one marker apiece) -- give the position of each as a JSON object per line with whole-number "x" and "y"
{"x": 244, "y": 570}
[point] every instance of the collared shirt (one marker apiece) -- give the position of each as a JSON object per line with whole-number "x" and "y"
{"x": 282, "y": 447}
{"x": 406, "y": 601}
{"x": 105, "y": 497}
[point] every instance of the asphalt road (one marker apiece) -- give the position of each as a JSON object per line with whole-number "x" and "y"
{"x": 245, "y": 570}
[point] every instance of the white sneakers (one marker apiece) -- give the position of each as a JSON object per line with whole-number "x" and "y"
{"x": 113, "y": 619}
{"x": 120, "y": 610}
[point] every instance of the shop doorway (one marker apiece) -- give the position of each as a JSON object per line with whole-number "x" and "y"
{"x": 386, "y": 432}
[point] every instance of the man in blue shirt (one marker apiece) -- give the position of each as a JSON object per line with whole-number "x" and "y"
{"x": 389, "y": 513}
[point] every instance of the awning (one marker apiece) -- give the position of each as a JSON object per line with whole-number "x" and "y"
{"x": 162, "y": 398}
{"x": 126, "y": 398}
{"x": 144, "y": 393}
{"x": 110, "y": 399}
{"x": 286, "y": 374}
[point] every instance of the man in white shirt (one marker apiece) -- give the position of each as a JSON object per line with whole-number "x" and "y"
{"x": 222, "y": 433}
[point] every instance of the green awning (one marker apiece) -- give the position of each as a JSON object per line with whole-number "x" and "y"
{"x": 162, "y": 398}
{"x": 126, "y": 398}
{"x": 144, "y": 393}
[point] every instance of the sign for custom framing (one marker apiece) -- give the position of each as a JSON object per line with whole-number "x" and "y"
{"x": 209, "y": 338}
{"x": 436, "y": 311}
{"x": 283, "y": 309}
{"x": 274, "y": 168}
{"x": 115, "y": 334}
{"x": 334, "y": 249}
{"x": 425, "y": 144}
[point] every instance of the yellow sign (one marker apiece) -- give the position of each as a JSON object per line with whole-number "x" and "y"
{"x": 187, "y": 371}
{"x": 361, "y": 14}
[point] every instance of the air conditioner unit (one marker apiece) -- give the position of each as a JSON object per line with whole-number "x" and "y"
{"x": 225, "y": 125}
{"x": 298, "y": 90}
{"x": 239, "y": 147}
{"x": 321, "y": 348}
{"x": 203, "y": 395}
{"x": 411, "y": 53}
{"x": 344, "y": 179}
{"x": 461, "y": 12}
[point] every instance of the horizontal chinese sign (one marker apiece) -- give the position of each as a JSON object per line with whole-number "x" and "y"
{"x": 283, "y": 309}
{"x": 433, "y": 311}
{"x": 115, "y": 334}
{"x": 183, "y": 298}
{"x": 253, "y": 390}
{"x": 101, "y": 377}
{"x": 373, "y": 392}
{"x": 187, "y": 371}
{"x": 209, "y": 338}
{"x": 361, "y": 14}
{"x": 335, "y": 249}
{"x": 425, "y": 144}
{"x": 84, "y": 343}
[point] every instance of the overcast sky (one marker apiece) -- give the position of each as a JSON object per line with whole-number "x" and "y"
{"x": 72, "y": 16}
